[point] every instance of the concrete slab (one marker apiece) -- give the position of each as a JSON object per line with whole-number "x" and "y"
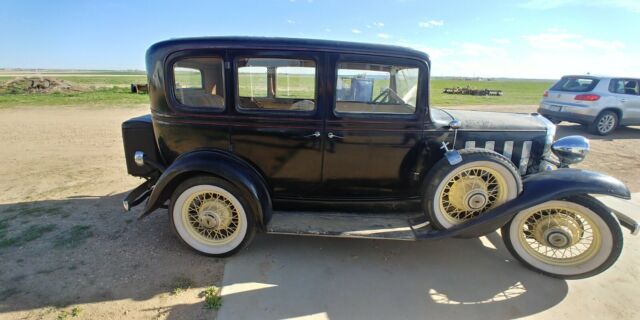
{"x": 327, "y": 278}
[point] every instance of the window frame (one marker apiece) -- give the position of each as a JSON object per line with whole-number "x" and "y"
{"x": 420, "y": 107}
{"x": 170, "y": 84}
{"x": 311, "y": 56}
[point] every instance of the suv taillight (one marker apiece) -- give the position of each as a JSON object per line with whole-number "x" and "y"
{"x": 587, "y": 97}
{"x": 546, "y": 94}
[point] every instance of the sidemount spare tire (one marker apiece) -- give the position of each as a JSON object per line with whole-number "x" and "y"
{"x": 456, "y": 193}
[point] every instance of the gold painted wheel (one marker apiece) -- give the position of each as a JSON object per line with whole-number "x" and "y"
{"x": 211, "y": 217}
{"x": 573, "y": 238}
{"x": 470, "y": 192}
{"x": 559, "y": 234}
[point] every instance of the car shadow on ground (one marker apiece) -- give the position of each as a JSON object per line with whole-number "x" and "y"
{"x": 119, "y": 258}
{"x": 621, "y": 133}
{"x": 58, "y": 253}
{"x": 288, "y": 276}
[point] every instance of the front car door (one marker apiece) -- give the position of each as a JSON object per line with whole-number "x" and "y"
{"x": 374, "y": 127}
{"x": 277, "y": 120}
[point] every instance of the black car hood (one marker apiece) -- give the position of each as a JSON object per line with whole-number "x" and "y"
{"x": 481, "y": 120}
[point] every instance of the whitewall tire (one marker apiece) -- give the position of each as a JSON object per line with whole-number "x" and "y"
{"x": 210, "y": 216}
{"x": 571, "y": 238}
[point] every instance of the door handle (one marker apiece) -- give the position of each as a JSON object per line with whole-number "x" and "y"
{"x": 623, "y": 100}
{"x": 313, "y": 135}
{"x": 331, "y": 136}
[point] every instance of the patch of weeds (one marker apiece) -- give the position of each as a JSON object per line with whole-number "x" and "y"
{"x": 212, "y": 298}
{"x": 73, "y": 237}
{"x": 64, "y": 314}
{"x": 31, "y": 233}
{"x": 181, "y": 284}
{"x": 7, "y": 293}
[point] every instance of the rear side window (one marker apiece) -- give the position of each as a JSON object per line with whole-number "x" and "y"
{"x": 376, "y": 88}
{"x": 575, "y": 84}
{"x": 625, "y": 86}
{"x": 199, "y": 82}
{"x": 271, "y": 84}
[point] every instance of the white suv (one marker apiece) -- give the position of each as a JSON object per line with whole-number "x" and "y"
{"x": 601, "y": 103}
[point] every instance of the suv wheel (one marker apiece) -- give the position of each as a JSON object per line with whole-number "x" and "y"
{"x": 605, "y": 123}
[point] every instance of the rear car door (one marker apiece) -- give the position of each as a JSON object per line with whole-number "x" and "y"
{"x": 373, "y": 127}
{"x": 627, "y": 94}
{"x": 277, "y": 120}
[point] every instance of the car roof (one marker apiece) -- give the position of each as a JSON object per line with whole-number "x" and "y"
{"x": 595, "y": 76}
{"x": 172, "y": 45}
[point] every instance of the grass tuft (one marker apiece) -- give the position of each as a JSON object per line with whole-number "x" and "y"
{"x": 212, "y": 298}
{"x": 181, "y": 284}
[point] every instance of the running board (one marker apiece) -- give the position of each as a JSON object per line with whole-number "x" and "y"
{"x": 392, "y": 226}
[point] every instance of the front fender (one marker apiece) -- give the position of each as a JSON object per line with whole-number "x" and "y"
{"x": 217, "y": 163}
{"x": 536, "y": 189}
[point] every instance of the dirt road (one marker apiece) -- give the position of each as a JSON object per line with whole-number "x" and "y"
{"x": 65, "y": 243}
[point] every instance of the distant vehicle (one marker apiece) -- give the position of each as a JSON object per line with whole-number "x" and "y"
{"x": 292, "y": 136}
{"x": 600, "y": 103}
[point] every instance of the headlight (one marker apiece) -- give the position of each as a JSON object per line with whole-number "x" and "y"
{"x": 571, "y": 149}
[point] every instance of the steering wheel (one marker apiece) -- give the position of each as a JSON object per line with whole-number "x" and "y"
{"x": 388, "y": 96}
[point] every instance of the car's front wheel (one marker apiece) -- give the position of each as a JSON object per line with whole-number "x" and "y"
{"x": 572, "y": 238}
{"x": 211, "y": 216}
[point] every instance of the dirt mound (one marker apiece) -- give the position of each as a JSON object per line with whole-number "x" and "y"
{"x": 38, "y": 85}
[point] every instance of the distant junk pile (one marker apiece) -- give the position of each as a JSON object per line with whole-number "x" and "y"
{"x": 472, "y": 92}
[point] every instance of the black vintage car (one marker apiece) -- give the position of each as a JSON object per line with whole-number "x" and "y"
{"x": 329, "y": 138}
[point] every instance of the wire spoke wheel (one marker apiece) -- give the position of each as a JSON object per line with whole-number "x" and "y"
{"x": 573, "y": 238}
{"x": 560, "y": 236}
{"x": 482, "y": 181}
{"x": 209, "y": 217}
{"x": 471, "y": 192}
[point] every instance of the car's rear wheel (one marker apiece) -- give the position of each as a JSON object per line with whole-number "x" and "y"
{"x": 211, "y": 216}
{"x": 457, "y": 193}
{"x": 572, "y": 238}
{"x": 604, "y": 123}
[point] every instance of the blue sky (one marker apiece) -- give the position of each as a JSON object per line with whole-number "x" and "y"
{"x": 518, "y": 38}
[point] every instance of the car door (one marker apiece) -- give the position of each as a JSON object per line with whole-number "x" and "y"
{"x": 373, "y": 127}
{"x": 277, "y": 121}
{"x": 626, "y": 94}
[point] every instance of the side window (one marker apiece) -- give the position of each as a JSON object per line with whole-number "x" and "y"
{"x": 276, "y": 84}
{"x": 199, "y": 82}
{"x": 624, "y": 86}
{"x": 376, "y": 88}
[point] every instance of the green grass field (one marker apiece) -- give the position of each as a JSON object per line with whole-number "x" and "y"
{"x": 104, "y": 89}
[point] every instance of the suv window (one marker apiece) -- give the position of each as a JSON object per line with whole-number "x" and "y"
{"x": 199, "y": 82}
{"x": 376, "y": 88}
{"x": 624, "y": 86}
{"x": 575, "y": 84}
{"x": 276, "y": 84}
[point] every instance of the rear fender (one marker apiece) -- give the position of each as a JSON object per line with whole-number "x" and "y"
{"x": 217, "y": 163}
{"x": 539, "y": 188}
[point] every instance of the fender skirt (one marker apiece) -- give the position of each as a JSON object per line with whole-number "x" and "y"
{"x": 216, "y": 163}
{"x": 537, "y": 188}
